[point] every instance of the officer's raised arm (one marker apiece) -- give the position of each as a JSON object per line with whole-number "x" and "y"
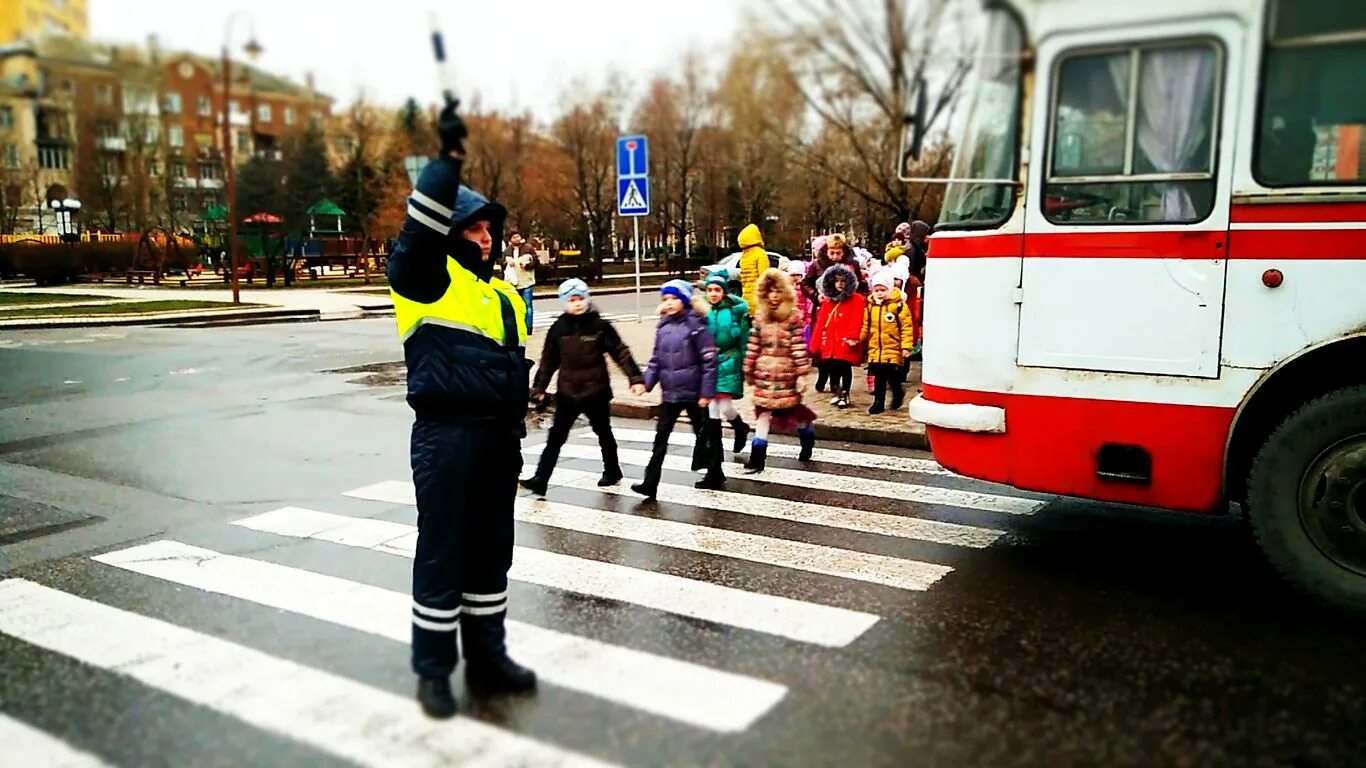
{"x": 417, "y": 268}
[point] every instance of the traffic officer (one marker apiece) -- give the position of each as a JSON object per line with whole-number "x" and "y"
{"x": 464, "y": 336}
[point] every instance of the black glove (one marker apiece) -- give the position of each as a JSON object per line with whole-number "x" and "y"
{"x": 452, "y": 129}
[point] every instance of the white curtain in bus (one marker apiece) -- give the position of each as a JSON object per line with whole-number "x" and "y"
{"x": 1175, "y": 90}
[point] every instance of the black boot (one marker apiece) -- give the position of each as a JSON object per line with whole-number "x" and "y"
{"x": 434, "y": 694}
{"x": 610, "y": 476}
{"x": 715, "y": 478}
{"x": 649, "y": 485}
{"x": 758, "y": 455}
{"x": 500, "y": 674}
{"x": 898, "y": 396}
{"x": 488, "y": 669}
{"x": 611, "y": 465}
{"x": 741, "y": 434}
{"x": 701, "y": 445}
{"x": 808, "y": 438}
{"x": 534, "y": 484}
{"x": 820, "y": 377}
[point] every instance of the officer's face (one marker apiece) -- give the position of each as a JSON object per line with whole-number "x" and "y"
{"x": 479, "y": 234}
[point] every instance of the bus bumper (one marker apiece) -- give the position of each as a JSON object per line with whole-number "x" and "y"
{"x": 963, "y": 417}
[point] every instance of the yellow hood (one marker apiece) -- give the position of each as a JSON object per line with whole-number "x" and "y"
{"x": 751, "y": 237}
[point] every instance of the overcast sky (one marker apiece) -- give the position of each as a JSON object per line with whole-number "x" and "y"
{"x": 515, "y": 53}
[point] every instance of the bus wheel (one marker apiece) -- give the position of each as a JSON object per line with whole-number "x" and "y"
{"x": 1307, "y": 498}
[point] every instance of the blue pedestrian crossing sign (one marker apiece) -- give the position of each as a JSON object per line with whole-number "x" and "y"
{"x": 633, "y": 176}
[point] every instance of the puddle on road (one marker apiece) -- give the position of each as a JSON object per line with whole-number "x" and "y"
{"x": 389, "y": 374}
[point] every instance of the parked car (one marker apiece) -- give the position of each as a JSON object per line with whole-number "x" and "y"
{"x": 732, "y": 266}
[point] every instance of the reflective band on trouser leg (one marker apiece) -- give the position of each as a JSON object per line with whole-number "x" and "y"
{"x": 438, "y": 452}
{"x": 484, "y": 605}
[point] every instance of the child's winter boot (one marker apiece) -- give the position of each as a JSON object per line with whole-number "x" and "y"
{"x": 758, "y": 454}
{"x": 808, "y": 438}
{"x": 741, "y": 434}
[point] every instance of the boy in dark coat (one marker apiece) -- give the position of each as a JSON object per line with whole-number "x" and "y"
{"x": 575, "y": 347}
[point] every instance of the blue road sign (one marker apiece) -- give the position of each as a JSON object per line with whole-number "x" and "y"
{"x": 633, "y": 176}
{"x": 633, "y": 196}
{"x": 633, "y": 157}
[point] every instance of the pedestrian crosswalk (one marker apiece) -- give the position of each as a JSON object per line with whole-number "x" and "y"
{"x": 543, "y": 320}
{"x": 694, "y": 616}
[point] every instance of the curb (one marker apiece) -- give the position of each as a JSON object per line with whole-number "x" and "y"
{"x": 202, "y": 320}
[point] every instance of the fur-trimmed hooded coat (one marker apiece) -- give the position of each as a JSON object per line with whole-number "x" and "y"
{"x": 777, "y": 356}
{"x": 840, "y": 319}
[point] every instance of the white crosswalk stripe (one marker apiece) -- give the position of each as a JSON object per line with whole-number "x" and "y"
{"x": 806, "y": 622}
{"x": 684, "y": 439}
{"x": 797, "y": 555}
{"x": 546, "y": 319}
{"x": 861, "y": 486}
{"x": 28, "y": 746}
{"x": 675, "y": 689}
{"x": 683, "y": 683}
{"x": 330, "y": 713}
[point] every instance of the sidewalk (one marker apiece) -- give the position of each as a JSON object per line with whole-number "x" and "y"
{"x": 852, "y": 425}
{"x": 306, "y": 303}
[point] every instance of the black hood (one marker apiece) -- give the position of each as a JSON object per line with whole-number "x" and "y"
{"x": 828, "y": 283}
{"x": 470, "y": 206}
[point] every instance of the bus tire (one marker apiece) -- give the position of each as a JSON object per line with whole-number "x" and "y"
{"x": 1307, "y": 498}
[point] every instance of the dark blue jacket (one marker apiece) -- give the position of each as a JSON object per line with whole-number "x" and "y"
{"x": 456, "y": 373}
{"x": 684, "y": 362}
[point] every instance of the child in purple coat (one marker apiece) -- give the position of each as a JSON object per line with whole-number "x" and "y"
{"x": 684, "y": 365}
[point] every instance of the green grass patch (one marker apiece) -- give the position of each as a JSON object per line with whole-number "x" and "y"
{"x": 119, "y": 308}
{"x": 9, "y": 298}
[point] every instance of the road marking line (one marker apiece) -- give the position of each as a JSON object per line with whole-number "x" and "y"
{"x": 684, "y": 439}
{"x": 28, "y": 746}
{"x": 770, "y": 614}
{"x": 331, "y": 713}
{"x": 827, "y": 481}
{"x": 898, "y": 526}
{"x": 679, "y": 690}
{"x": 797, "y": 555}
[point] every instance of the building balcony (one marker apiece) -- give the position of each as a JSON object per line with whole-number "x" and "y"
{"x": 210, "y": 183}
{"x": 187, "y": 182}
{"x": 112, "y": 143}
{"x": 236, "y": 119}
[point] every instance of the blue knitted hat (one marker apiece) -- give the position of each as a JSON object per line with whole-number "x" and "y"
{"x": 573, "y": 287}
{"x": 677, "y": 288}
{"x": 718, "y": 277}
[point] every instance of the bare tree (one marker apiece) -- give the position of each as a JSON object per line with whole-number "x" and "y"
{"x": 585, "y": 137}
{"x": 858, "y": 63}
{"x": 674, "y": 114}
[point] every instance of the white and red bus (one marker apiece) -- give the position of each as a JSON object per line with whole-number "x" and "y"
{"x": 1148, "y": 283}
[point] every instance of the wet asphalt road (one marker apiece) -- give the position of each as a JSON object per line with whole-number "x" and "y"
{"x": 973, "y": 631}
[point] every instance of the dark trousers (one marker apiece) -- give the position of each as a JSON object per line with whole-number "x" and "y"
{"x": 598, "y": 409}
{"x": 841, "y": 375}
{"x": 465, "y": 475}
{"x": 668, "y": 417}
{"x": 887, "y": 376}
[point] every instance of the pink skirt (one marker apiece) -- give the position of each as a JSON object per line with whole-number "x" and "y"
{"x": 788, "y": 419}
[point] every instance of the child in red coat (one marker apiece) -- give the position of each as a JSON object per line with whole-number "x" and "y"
{"x": 839, "y": 328}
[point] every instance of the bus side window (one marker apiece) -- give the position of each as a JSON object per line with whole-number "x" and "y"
{"x": 1312, "y": 116}
{"x": 1134, "y": 134}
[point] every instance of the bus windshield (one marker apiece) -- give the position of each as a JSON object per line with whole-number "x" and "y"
{"x": 984, "y": 174}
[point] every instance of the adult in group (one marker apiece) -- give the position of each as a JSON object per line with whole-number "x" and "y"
{"x": 520, "y": 260}
{"x": 918, "y": 243}
{"x": 464, "y": 338}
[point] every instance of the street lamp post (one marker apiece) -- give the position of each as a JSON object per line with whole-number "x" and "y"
{"x": 62, "y": 211}
{"x": 252, "y": 49}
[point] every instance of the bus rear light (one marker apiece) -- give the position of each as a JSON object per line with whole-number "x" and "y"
{"x": 1272, "y": 278}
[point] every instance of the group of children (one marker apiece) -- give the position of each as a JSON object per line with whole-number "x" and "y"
{"x": 709, "y": 344}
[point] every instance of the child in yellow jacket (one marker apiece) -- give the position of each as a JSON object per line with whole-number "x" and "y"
{"x": 889, "y": 336}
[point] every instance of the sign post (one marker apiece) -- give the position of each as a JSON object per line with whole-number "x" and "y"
{"x": 633, "y": 192}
